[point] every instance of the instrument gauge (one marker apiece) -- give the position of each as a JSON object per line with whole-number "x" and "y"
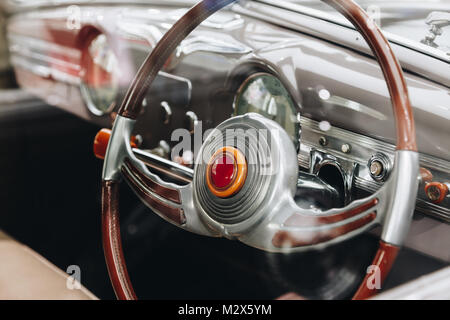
{"x": 265, "y": 94}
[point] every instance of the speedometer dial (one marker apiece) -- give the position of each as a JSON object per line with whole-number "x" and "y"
{"x": 264, "y": 93}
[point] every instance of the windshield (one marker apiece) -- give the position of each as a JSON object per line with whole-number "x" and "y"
{"x": 421, "y": 21}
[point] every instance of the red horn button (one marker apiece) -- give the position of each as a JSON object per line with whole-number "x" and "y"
{"x": 223, "y": 171}
{"x": 226, "y": 172}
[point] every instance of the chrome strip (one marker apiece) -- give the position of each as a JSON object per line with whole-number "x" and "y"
{"x": 432, "y": 209}
{"x": 371, "y": 144}
{"x": 34, "y": 55}
{"x": 151, "y": 160}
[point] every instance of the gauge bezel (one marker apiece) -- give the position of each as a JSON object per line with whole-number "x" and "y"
{"x": 91, "y": 105}
{"x": 84, "y": 90}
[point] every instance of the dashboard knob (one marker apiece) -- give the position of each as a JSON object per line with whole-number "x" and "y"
{"x": 425, "y": 175}
{"x": 376, "y": 168}
{"x": 379, "y": 167}
{"x": 436, "y": 191}
{"x": 101, "y": 142}
{"x": 167, "y": 112}
{"x": 346, "y": 148}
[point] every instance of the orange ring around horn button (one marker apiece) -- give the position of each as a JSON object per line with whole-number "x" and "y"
{"x": 226, "y": 172}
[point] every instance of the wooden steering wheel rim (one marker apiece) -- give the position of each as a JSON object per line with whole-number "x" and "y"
{"x": 132, "y": 105}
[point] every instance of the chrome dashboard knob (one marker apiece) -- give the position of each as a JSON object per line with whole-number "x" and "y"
{"x": 379, "y": 167}
{"x": 436, "y": 191}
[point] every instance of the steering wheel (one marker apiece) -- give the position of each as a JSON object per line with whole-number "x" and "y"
{"x": 244, "y": 182}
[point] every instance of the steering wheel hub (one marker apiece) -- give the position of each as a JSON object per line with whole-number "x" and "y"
{"x": 233, "y": 187}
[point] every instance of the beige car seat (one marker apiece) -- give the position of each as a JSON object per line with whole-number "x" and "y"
{"x": 24, "y": 274}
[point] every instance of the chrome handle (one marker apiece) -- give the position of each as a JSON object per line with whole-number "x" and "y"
{"x": 436, "y": 20}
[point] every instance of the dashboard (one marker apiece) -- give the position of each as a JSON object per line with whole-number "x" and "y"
{"x": 332, "y": 101}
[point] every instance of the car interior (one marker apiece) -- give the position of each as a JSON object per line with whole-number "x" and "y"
{"x": 71, "y": 130}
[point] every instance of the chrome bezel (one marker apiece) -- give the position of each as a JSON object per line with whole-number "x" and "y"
{"x": 90, "y": 105}
{"x": 85, "y": 91}
{"x": 252, "y": 77}
{"x": 385, "y": 162}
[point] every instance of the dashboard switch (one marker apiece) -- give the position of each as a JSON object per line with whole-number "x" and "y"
{"x": 379, "y": 167}
{"x": 425, "y": 175}
{"x": 346, "y": 148}
{"x": 436, "y": 191}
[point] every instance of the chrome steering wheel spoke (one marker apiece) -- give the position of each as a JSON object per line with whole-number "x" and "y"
{"x": 170, "y": 201}
{"x": 293, "y": 228}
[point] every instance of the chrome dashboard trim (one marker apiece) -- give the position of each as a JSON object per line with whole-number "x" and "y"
{"x": 363, "y": 148}
{"x": 27, "y": 53}
{"x": 371, "y": 143}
